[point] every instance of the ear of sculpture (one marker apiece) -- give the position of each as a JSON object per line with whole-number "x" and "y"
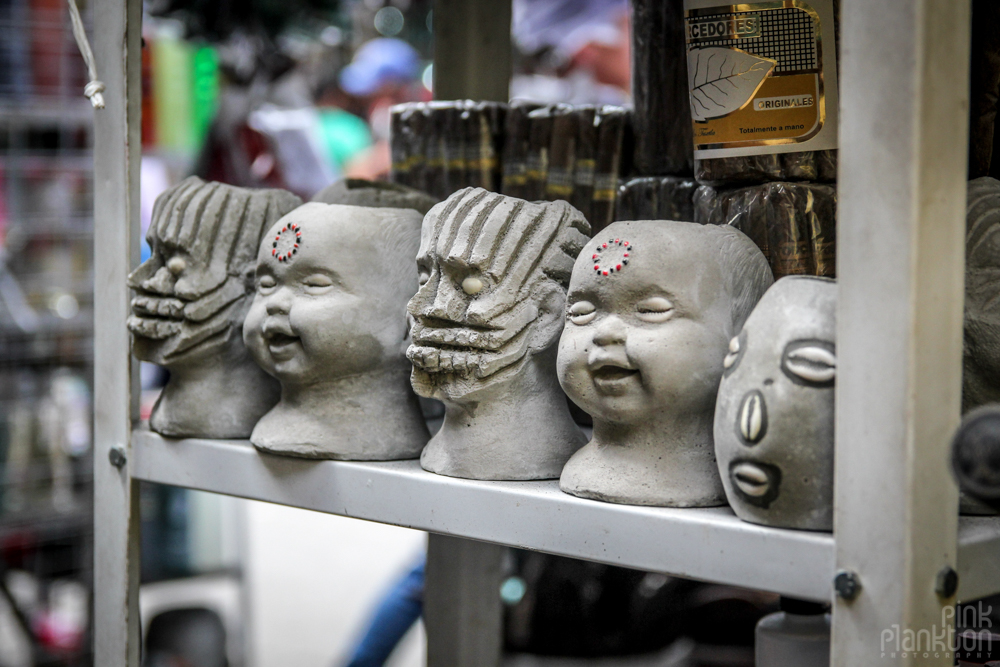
{"x": 551, "y": 301}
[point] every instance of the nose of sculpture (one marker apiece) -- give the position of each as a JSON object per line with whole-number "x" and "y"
{"x": 279, "y": 302}
{"x": 162, "y": 282}
{"x": 447, "y": 302}
{"x": 611, "y": 331}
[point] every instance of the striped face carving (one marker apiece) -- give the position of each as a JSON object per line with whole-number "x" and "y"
{"x": 774, "y": 413}
{"x": 191, "y": 293}
{"x": 486, "y": 263}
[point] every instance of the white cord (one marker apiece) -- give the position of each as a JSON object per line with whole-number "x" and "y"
{"x": 93, "y": 89}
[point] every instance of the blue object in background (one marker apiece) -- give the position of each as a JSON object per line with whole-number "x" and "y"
{"x": 379, "y": 62}
{"x": 396, "y": 613}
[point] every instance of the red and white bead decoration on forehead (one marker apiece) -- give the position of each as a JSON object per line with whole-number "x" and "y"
{"x": 611, "y": 256}
{"x": 286, "y": 243}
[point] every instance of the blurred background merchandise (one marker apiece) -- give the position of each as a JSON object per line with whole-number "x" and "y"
{"x": 46, "y": 321}
{"x": 295, "y": 94}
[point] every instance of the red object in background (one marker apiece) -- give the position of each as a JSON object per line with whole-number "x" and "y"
{"x": 46, "y": 44}
{"x": 56, "y": 65}
{"x": 17, "y": 548}
{"x": 57, "y": 634}
{"x": 148, "y": 107}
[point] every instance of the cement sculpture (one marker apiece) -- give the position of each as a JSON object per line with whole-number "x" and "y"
{"x": 652, "y": 306}
{"x": 191, "y": 297}
{"x": 981, "y": 366}
{"x": 774, "y": 416}
{"x": 329, "y": 322}
{"x": 493, "y": 274}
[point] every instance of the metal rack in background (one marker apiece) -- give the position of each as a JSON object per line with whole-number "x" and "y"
{"x": 904, "y": 105}
{"x": 46, "y": 335}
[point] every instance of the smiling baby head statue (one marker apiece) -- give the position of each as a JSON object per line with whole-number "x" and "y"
{"x": 774, "y": 416}
{"x": 493, "y": 274}
{"x": 191, "y": 297}
{"x": 652, "y": 307}
{"x": 329, "y": 322}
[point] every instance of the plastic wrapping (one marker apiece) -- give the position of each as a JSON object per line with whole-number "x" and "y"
{"x": 515, "y": 149}
{"x": 611, "y": 123}
{"x": 818, "y": 166}
{"x": 662, "y": 116}
{"x": 814, "y": 166}
{"x": 656, "y": 198}
{"x": 562, "y": 154}
{"x": 441, "y": 147}
{"x": 583, "y": 168}
{"x": 533, "y": 152}
{"x": 794, "y": 224}
{"x": 539, "y": 138}
{"x": 984, "y": 88}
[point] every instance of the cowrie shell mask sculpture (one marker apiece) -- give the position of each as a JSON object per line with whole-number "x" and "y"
{"x": 774, "y": 416}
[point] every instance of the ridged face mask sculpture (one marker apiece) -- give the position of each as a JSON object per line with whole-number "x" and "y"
{"x": 651, "y": 308}
{"x": 774, "y": 417}
{"x": 981, "y": 348}
{"x": 191, "y": 297}
{"x": 493, "y": 274}
{"x": 329, "y": 322}
{"x": 981, "y": 379}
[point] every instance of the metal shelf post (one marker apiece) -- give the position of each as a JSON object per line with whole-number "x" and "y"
{"x": 901, "y": 263}
{"x": 116, "y": 42}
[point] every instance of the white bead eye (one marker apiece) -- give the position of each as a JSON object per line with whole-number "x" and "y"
{"x": 472, "y": 285}
{"x": 176, "y": 265}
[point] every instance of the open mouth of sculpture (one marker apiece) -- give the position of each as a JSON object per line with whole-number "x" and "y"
{"x": 466, "y": 361}
{"x": 280, "y": 344}
{"x": 611, "y": 377}
{"x": 758, "y": 483}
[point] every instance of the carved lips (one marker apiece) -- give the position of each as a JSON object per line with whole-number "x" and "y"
{"x": 612, "y": 375}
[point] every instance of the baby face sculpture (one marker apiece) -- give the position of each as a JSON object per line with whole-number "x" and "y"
{"x": 651, "y": 308}
{"x": 493, "y": 274}
{"x": 191, "y": 297}
{"x": 329, "y": 322}
{"x": 774, "y": 418}
{"x": 981, "y": 373}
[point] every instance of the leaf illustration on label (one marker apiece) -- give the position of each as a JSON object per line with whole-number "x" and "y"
{"x": 724, "y": 80}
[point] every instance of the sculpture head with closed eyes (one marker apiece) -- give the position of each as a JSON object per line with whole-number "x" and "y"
{"x": 652, "y": 306}
{"x": 774, "y": 417}
{"x": 328, "y": 320}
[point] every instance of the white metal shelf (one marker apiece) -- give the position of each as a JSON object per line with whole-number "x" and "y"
{"x": 710, "y": 544}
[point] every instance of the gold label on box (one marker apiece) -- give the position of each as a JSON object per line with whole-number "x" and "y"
{"x": 759, "y": 78}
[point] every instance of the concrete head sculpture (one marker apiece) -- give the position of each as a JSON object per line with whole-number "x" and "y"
{"x": 493, "y": 273}
{"x": 191, "y": 297}
{"x": 774, "y": 416}
{"x": 651, "y": 309}
{"x": 376, "y": 194}
{"x": 981, "y": 372}
{"x": 329, "y": 322}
